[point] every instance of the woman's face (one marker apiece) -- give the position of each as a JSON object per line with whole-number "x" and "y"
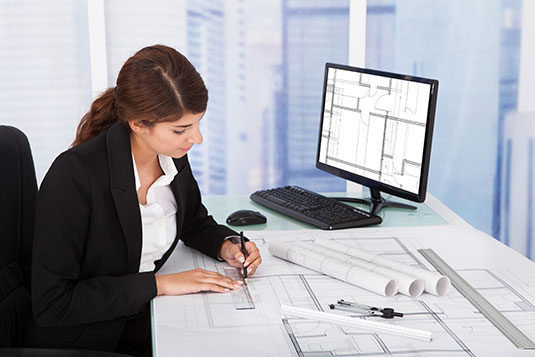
{"x": 173, "y": 139}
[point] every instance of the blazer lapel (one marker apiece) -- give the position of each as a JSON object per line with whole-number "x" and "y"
{"x": 123, "y": 191}
{"x": 179, "y": 187}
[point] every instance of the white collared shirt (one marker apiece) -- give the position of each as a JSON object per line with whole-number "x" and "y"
{"x": 158, "y": 216}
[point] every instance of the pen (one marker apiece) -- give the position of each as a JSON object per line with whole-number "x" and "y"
{"x": 242, "y": 241}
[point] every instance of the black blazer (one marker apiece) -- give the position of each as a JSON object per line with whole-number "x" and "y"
{"x": 87, "y": 247}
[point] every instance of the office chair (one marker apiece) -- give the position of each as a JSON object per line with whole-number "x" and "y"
{"x": 18, "y": 193}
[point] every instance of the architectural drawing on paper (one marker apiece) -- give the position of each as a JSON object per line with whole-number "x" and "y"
{"x": 451, "y": 319}
{"x": 375, "y": 127}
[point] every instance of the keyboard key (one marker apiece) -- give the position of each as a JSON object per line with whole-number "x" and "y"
{"x": 313, "y": 208}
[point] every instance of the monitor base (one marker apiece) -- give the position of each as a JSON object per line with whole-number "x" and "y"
{"x": 376, "y": 202}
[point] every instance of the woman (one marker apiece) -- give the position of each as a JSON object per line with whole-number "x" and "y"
{"x": 112, "y": 208}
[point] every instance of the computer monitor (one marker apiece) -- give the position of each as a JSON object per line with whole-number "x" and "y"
{"x": 376, "y": 129}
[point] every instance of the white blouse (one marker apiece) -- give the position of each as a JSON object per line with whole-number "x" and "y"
{"x": 158, "y": 216}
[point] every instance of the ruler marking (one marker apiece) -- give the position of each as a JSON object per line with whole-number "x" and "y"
{"x": 504, "y": 325}
{"x": 242, "y": 297}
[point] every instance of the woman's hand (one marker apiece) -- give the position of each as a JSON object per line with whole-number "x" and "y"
{"x": 194, "y": 281}
{"x": 232, "y": 254}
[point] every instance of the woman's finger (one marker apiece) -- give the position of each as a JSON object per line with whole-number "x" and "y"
{"x": 213, "y": 287}
{"x": 254, "y": 265}
{"x": 250, "y": 247}
{"x": 219, "y": 277}
{"x": 238, "y": 256}
{"x": 253, "y": 255}
{"x": 222, "y": 281}
{"x": 234, "y": 263}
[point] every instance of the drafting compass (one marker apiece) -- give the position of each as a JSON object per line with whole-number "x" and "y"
{"x": 384, "y": 312}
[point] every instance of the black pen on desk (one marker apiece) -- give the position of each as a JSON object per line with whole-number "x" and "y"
{"x": 242, "y": 241}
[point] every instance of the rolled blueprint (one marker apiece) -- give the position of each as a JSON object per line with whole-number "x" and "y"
{"x": 435, "y": 283}
{"x": 407, "y": 284}
{"x": 346, "y": 272}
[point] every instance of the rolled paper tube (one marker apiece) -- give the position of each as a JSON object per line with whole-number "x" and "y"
{"x": 346, "y": 272}
{"x": 434, "y": 283}
{"x": 407, "y": 284}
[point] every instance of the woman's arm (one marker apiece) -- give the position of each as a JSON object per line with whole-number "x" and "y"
{"x": 200, "y": 231}
{"x": 194, "y": 281}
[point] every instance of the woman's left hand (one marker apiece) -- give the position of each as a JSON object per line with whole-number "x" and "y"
{"x": 232, "y": 254}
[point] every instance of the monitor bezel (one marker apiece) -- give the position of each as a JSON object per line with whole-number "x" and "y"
{"x": 426, "y": 154}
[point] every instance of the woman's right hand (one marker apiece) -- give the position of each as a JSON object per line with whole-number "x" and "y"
{"x": 194, "y": 281}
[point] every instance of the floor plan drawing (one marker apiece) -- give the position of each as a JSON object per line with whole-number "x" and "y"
{"x": 455, "y": 324}
{"x": 375, "y": 126}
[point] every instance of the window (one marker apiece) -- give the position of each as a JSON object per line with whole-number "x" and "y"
{"x": 44, "y": 73}
{"x": 473, "y": 48}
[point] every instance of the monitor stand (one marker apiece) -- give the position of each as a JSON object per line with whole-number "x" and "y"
{"x": 376, "y": 202}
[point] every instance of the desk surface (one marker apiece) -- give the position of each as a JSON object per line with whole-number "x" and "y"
{"x": 432, "y": 212}
{"x": 208, "y": 324}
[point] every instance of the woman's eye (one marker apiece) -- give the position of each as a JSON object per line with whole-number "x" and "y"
{"x": 179, "y": 132}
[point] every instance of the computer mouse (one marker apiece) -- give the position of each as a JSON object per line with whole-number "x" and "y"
{"x": 245, "y": 217}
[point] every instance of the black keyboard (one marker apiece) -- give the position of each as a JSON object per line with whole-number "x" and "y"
{"x": 313, "y": 208}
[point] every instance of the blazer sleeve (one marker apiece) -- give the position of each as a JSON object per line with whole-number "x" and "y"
{"x": 59, "y": 296}
{"x": 200, "y": 231}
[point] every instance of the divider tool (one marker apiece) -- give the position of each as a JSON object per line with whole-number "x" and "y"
{"x": 362, "y": 324}
{"x": 384, "y": 312}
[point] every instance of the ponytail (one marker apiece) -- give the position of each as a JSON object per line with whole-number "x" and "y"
{"x": 100, "y": 117}
{"x": 157, "y": 84}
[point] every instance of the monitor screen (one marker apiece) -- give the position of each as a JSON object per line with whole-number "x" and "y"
{"x": 376, "y": 129}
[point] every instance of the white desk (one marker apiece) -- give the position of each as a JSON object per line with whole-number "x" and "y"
{"x": 208, "y": 324}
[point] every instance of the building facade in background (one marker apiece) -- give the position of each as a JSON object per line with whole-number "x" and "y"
{"x": 263, "y": 63}
{"x": 517, "y": 183}
{"x": 510, "y": 42}
{"x": 265, "y": 81}
{"x": 206, "y": 49}
{"x": 472, "y": 48}
{"x": 314, "y": 32}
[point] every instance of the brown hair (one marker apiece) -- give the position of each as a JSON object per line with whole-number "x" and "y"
{"x": 157, "y": 84}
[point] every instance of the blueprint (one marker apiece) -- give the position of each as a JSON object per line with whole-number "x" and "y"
{"x": 375, "y": 126}
{"x": 210, "y": 324}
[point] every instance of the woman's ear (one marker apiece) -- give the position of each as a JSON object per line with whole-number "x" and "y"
{"x": 137, "y": 126}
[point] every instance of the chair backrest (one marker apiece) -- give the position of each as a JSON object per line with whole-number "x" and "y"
{"x": 18, "y": 193}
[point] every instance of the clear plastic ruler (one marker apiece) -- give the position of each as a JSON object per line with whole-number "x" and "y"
{"x": 506, "y": 327}
{"x": 241, "y": 297}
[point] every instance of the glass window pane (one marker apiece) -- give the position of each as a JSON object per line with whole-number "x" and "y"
{"x": 263, "y": 63}
{"x": 472, "y": 48}
{"x": 45, "y": 84}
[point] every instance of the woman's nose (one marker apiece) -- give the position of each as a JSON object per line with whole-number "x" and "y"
{"x": 196, "y": 136}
